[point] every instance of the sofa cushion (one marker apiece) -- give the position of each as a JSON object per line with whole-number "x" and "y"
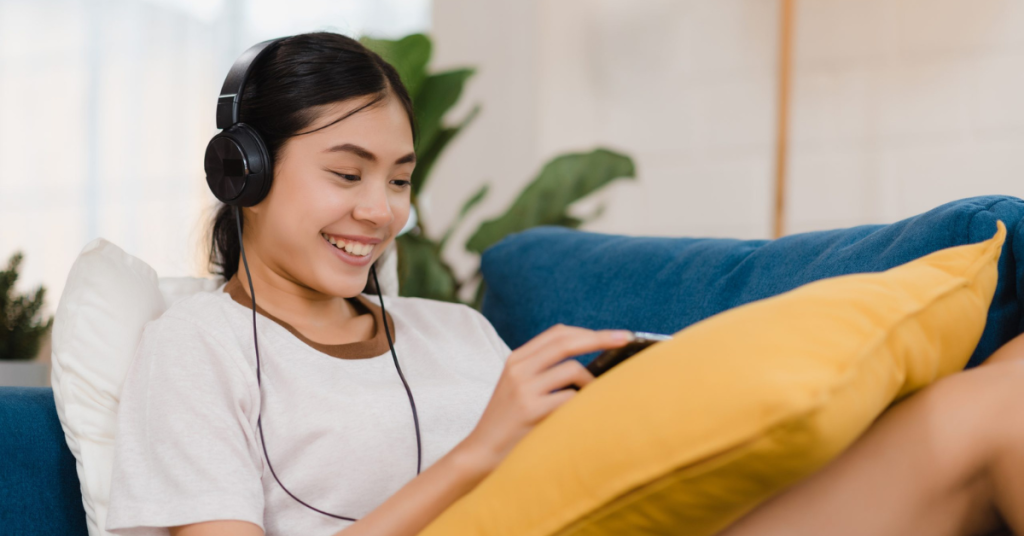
{"x": 108, "y": 299}
{"x": 691, "y": 433}
{"x": 548, "y": 275}
{"x": 39, "y": 488}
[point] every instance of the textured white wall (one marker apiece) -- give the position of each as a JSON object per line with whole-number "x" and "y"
{"x": 898, "y": 106}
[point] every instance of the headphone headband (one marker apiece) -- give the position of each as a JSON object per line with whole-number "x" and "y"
{"x": 237, "y": 163}
{"x": 230, "y": 97}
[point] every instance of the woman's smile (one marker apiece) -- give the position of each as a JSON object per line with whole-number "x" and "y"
{"x": 351, "y": 251}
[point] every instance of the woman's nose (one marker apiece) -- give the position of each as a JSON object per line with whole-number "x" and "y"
{"x": 373, "y": 206}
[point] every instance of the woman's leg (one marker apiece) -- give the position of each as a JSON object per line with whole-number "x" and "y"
{"x": 948, "y": 460}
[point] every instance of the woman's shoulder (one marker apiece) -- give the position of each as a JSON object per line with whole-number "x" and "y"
{"x": 194, "y": 333}
{"x": 203, "y": 312}
{"x": 204, "y": 305}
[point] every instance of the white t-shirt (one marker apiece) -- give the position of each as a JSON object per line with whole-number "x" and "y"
{"x": 336, "y": 418}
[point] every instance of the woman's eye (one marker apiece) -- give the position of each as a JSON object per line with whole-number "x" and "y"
{"x": 346, "y": 176}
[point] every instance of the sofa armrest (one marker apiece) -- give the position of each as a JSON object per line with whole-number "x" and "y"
{"x": 39, "y": 488}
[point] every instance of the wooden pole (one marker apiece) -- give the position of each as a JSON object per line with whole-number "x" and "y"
{"x": 782, "y": 132}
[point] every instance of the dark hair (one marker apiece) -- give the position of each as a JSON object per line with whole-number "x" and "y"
{"x": 297, "y": 74}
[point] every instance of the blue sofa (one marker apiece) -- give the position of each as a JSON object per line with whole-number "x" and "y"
{"x": 39, "y": 490}
{"x": 547, "y": 275}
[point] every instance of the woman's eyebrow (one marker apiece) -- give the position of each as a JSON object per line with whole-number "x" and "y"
{"x": 367, "y": 155}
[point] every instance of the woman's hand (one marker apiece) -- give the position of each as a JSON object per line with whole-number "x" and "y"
{"x": 532, "y": 385}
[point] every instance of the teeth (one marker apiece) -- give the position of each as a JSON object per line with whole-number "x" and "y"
{"x": 354, "y": 248}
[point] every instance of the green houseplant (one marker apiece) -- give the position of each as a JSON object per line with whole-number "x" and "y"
{"x": 546, "y": 199}
{"x": 22, "y": 330}
{"x": 22, "y": 327}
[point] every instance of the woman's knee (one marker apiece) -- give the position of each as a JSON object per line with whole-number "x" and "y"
{"x": 965, "y": 431}
{"x": 969, "y": 417}
{"x": 985, "y": 406}
{"x": 1012, "y": 350}
{"x": 1004, "y": 467}
{"x": 1006, "y": 418}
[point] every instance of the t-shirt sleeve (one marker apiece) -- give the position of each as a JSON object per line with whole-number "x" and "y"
{"x": 185, "y": 449}
{"x": 501, "y": 349}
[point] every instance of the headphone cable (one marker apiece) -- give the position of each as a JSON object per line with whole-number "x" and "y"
{"x": 259, "y": 418}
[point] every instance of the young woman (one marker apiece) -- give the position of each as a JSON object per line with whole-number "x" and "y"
{"x": 337, "y": 423}
{"x": 205, "y": 448}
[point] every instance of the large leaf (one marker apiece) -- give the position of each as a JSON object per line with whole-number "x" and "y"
{"x": 432, "y": 95}
{"x": 422, "y": 272}
{"x": 409, "y": 55}
{"x": 437, "y": 95}
{"x": 427, "y": 156}
{"x": 545, "y": 201}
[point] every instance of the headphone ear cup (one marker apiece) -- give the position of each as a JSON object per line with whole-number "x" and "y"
{"x": 238, "y": 166}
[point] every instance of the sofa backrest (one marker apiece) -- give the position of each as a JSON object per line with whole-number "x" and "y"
{"x": 549, "y": 275}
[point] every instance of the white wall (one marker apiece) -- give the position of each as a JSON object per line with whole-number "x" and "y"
{"x": 904, "y": 105}
{"x": 898, "y": 106}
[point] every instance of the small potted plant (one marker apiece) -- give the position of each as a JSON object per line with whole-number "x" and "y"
{"x": 22, "y": 329}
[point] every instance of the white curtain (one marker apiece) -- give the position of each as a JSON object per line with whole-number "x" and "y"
{"x": 105, "y": 110}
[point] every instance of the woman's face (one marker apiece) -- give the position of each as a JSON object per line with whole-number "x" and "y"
{"x": 339, "y": 197}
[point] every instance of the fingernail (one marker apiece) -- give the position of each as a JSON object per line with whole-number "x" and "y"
{"x": 622, "y": 335}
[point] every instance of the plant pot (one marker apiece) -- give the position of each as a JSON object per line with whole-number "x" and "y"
{"x": 24, "y": 374}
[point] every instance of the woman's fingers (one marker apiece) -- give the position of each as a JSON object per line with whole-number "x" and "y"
{"x": 538, "y": 341}
{"x": 542, "y": 339}
{"x": 532, "y": 384}
{"x": 562, "y": 375}
{"x": 561, "y": 342}
{"x": 554, "y": 400}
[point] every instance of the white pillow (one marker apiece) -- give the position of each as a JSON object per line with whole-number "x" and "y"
{"x": 109, "y": 297}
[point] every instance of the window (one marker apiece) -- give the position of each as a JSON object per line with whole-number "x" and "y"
{"x": 106, "y": 108}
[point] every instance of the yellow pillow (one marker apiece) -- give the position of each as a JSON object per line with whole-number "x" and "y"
{"x": 691, "y": 433}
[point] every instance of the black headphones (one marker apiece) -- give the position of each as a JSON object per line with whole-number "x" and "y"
{"x": 238, "y": 165}
{"x": 239, "y": 172}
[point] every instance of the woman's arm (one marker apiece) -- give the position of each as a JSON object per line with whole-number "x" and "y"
{"x": 531, "y": 386}
{"x": 419, "y": 502}
{"x": 406, "y": 512}
{"x": 228, "y": 527}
